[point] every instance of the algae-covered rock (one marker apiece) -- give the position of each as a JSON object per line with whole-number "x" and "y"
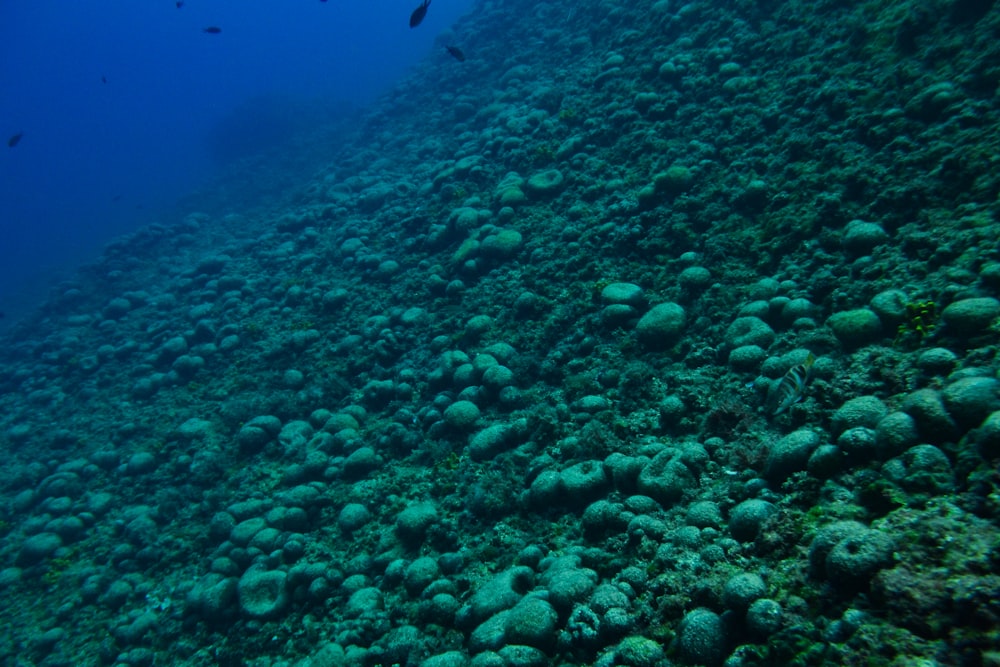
{"x": 512, "y": 196}
{"x": 674, "y": 180}
{"x": 116, "y": 308}
{"x": 258, "y": 432}
{"x": 583, "y": 481}
{"x": 502, "y": 245}
{"x": 854, "y": 328}
{"x": 37, "y": 548}
{"x": 864, "y": 411}
{"x": 695, "y": 278}
{"x": 636, "y": 651}
{"x": 489, "y": 442}
{"x": 747, "y": 357}
{"x": 461, "y": 415}
{"x": 988, "y": 436}
{"x": 970, "y": 400}
{"x": 747, "y": 518}
{"x": 643, "y": 101}
{"x": 662, "y": 325}
{"x": 862, "y": 237}
{"x": 927, "y": 409}
{"x": 764, "y": 618}
{"x": 666, "y": 477}
{"x": 414, "y": 521}
{"x": 742, "y": 589}
{"x": 702, "y": 637}
{"x": 464, "y": 219}
{"x": 262, "y": 593}
{"x": 790, "y": 454}
{"x": 937, "y": 361}
{"x": 531, "y": 622}
{"x": 971, "y": 316}
{"x": 623, "y": 293}
{"x": 921, "y": 469}
{"x": 749, "y": 331}
{"x": 826, "y": 538}
{"x": 510, "y": 191}
{"x": 855, "y": 559}
{"x": 545, "y": 184}
{"x": 796, "y": 309}
{"x": 890, "y": 306}
{"x": 895, "y": 432}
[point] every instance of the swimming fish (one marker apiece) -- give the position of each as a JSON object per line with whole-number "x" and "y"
{"x": 179, "y": 3}
{"x": 456, "y": 52}
{"x": 14, "y": 140}
{"x": 419, "y": 13}
{"x": 104, "y": 79}
{"x": 791, "y": 388}
{"x": 212, "y": 30}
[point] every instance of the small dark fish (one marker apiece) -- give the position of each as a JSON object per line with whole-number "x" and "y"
{"x": 179, "y": 3}
{"x": 14, "y": 140}
{"x": 419, "y": 13}
{"x": 212, "y": 30}
{"x": 104, "y": 79}
{"x": 456, "y": 52}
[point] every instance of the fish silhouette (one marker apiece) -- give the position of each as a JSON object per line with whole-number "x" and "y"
{"x": 419, "y": 13}
{"x": 212, "y": 30}
{"x": 456, "y": 53}
{"x": 791, "y": 388}
{"x": 15, "y": 139}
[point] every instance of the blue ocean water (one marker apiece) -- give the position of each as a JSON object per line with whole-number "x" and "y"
{"x": 127, "y": 106}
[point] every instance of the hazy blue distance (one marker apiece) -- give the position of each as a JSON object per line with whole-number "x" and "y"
{"x": 142, "y": 135}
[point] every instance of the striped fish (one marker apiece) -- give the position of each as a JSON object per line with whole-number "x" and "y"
{"x": 791, "y": 388}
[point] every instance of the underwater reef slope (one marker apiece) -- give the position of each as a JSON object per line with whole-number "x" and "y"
{"x": 651, "y": 334}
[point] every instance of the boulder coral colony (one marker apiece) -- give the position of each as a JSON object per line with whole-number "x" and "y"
{"x": 490, "y": 388}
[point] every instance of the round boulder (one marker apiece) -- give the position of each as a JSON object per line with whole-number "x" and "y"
{"x": 971, "y": 316}
{"x": 854, "y": 560}
{"x": 628, "y": 294}
{"x": 749, "y": 330}
{"x": 861, "y": 237}
{"x": 854, "y": 328}
{"x": 790, "y": 454}
{"x": 665, "y": 477}
{"x": 262, "y": 593}
{"x": 531, "y": 622}
{"x": 662, "y": 325}
{"x": 545, "y": 184}
{"x": 747, "y": 518}
{"x": 971, "y": 400}
{"x": 702, "y": 638}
